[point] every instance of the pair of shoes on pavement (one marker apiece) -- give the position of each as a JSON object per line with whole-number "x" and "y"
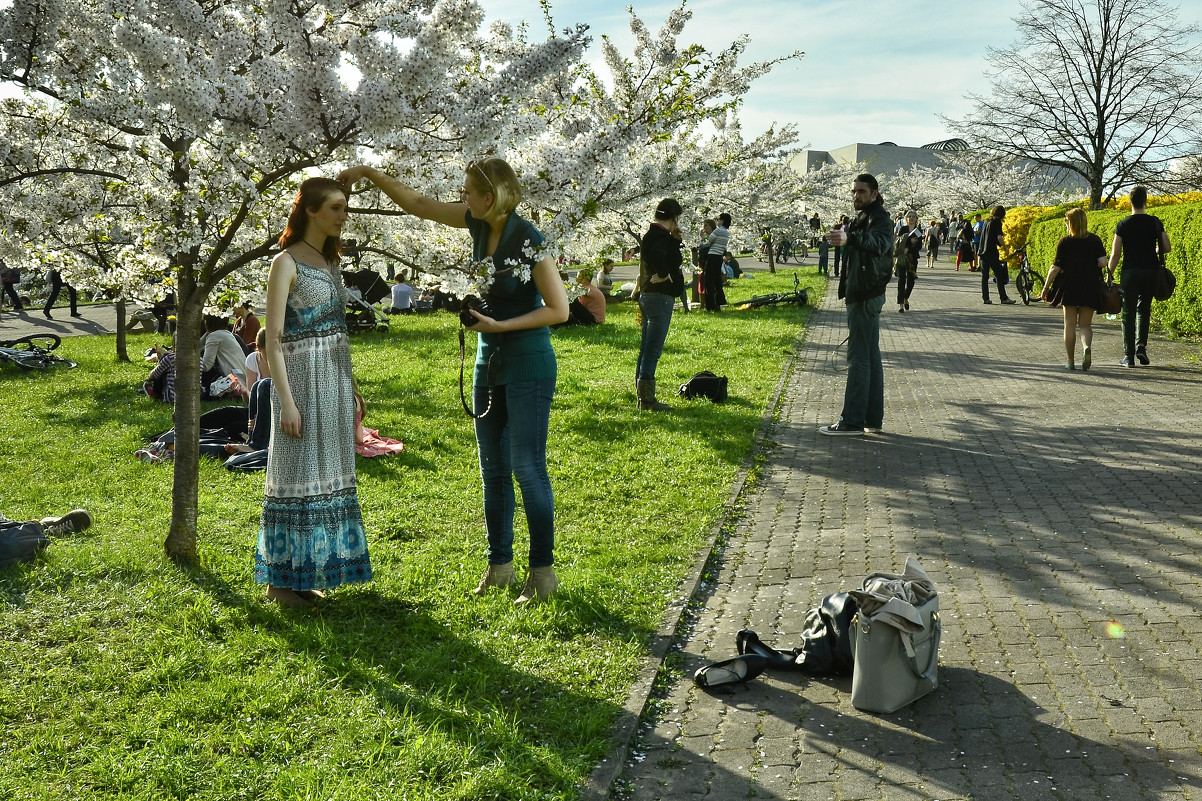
{"x": 72, "y": 522}
{"x": 838, "y": 430}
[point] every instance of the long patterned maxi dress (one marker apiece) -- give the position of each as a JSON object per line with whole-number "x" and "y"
{"x": 312, "y": 533}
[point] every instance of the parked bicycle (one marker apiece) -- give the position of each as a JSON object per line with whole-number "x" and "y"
{"x": 33, "y": 352}
{"x": 1024, "y": 281}
{"x": 798, "y": 296}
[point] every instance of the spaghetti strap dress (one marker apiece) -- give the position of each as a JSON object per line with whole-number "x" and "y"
{"x": 312, "y": 536}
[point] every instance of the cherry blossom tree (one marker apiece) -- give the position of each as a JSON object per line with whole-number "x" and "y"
{"x": 214, "y": 112}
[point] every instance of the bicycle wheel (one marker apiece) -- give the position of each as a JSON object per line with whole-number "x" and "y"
{"x": 43, "y": 343}
{"x": 1024, "y": 283}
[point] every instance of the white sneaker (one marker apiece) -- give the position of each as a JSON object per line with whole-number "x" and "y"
{"x": 834, "y": 430}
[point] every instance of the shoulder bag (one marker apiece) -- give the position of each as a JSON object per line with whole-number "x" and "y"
{"x": 895, "y": 641}
{"x": 1166, "y": 282}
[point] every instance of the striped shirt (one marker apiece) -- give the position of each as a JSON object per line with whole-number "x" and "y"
{"x": 716, "y": 242}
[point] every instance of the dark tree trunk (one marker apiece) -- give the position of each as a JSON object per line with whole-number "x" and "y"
{"x": 771, "y": 254}
{"x": 122, "y": 351}
{"x": 181, "y": 537}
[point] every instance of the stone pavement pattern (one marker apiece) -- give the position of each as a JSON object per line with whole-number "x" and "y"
{"x": 1044, "y": 504}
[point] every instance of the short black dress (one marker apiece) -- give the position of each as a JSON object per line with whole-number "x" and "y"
{"x": 1080, "y": 276}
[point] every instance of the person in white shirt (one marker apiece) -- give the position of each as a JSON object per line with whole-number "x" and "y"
{"x": 221, "y": 352}
{"x": 402, "y": 296}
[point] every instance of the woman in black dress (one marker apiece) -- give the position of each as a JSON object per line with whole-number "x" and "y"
{"x": 1074, "y": 283}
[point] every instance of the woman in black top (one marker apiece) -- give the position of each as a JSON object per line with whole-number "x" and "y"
{"x": 660, "y": 282}
{"x": 1140, "y": 240}
{"x": 1073, "y": 283}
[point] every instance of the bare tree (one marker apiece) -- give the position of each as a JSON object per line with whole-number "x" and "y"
{"x": 1110, "y": 90}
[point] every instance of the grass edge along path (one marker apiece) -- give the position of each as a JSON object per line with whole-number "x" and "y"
{"x": 600, "y": 781}
{"x": 121, "y": 677}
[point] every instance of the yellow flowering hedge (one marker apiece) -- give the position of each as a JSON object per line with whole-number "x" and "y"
{"x": 1182, "y": 218}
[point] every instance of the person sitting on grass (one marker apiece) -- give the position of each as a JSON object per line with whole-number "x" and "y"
{"x": 160, "y": 384}
{"x": 402, "y": 296}
{"x": 22, "y": 541}
{"x": 589, "y": 308}
{"x": 603, "y": 280}
{"x": 246, "y": 324}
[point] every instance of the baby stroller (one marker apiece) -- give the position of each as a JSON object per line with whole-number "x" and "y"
{"x": 364, "y": 287}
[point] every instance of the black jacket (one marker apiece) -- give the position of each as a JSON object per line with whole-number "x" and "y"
{"x": 660, "y": 256}
{"x": 868, "y": 254}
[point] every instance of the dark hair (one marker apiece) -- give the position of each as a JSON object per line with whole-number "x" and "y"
{"x": 1139, "y": 197}
{"x": 216, "y": 323}
{"x": 724, "y": 218}
{"x": 668, "y": 209}
{"x": 866, "y": 178}
{"x": 999, "y": 212}
{"x": 311, "y": 197}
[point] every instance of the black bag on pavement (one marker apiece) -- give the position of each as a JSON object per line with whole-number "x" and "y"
{"x": 706, "y": 385}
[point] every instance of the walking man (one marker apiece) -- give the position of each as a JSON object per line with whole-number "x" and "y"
{"x": 991, "y": 257}
{"x": 1141, "y": 242}
{"x": 867, "y": 244}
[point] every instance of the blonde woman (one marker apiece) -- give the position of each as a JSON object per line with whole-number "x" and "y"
{"x": 1073, "y": 283}
{"x": 514, "y": 361}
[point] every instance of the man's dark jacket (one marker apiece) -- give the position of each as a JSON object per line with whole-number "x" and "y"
{"x": 868, "y": 254}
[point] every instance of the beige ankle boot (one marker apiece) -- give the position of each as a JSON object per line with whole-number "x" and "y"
{"x": 495, "y": 576}
{"x": 541, "y": 583}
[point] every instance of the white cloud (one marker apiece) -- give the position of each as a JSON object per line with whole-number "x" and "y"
{"x": 873, "y": 70}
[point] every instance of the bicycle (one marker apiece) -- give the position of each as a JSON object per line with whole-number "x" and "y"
{"x": 33, "y": 352}
{"x": 798, "y": 296}
{"x": 1025, "y": 280}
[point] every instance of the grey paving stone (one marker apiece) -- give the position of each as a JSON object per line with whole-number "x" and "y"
{"x": 1044, "y": 511}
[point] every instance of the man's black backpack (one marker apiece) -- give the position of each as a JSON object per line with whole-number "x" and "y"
{"x": 705, "y": 385}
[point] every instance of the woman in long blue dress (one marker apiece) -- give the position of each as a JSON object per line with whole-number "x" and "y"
{"x": 311, "y": 537}
{"x": 515, "y": 363}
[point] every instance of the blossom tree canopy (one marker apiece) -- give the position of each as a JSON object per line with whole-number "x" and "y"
{"x": 203, "y": 118}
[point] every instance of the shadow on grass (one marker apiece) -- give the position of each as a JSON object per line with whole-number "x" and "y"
{"x": 416, "y": 668}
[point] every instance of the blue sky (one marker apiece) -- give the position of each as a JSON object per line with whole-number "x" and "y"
{"x": 873, "y": 70}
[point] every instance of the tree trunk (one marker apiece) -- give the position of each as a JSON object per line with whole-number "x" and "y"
{"x": 122, "y": 352}
{"x": 181, "y": 538}
{"x": 771, "y": 254}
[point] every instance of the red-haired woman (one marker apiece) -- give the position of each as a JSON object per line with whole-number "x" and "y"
{"x": 311, "y": 537}
{"x": 1073, "y": 283}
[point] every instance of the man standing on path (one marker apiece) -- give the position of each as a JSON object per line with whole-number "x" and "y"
{"x": 991, "y": 257}
{"x": 868, "y": 264}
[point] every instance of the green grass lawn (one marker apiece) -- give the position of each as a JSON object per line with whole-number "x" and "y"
{"x": 122, "y": 676}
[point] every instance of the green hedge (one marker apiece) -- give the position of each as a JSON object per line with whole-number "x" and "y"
{"x": 1181, "y": 313}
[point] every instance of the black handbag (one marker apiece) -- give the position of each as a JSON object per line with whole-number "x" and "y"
{"x": 1166, "y": 282}
{"x": 705, "y": 385}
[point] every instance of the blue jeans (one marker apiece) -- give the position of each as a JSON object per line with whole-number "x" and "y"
{"x": 512, "y": 439}
{"x": 1137, "y": 300}
{"x": 864, "y": 398}
{"x": 657, "y": 316}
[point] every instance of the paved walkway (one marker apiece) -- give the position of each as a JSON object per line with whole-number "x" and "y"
{"x": 97, "y": 318}
{"x": 1043, "y": 503}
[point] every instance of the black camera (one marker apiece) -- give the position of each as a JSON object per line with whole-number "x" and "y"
{"x": 465, "y": 305}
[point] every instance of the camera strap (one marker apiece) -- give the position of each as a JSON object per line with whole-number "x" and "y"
{"x": 462, "y": 362}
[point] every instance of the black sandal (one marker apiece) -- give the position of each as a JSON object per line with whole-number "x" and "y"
{"x": 736, "y": 670}
{"x": 748, "y": 642}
